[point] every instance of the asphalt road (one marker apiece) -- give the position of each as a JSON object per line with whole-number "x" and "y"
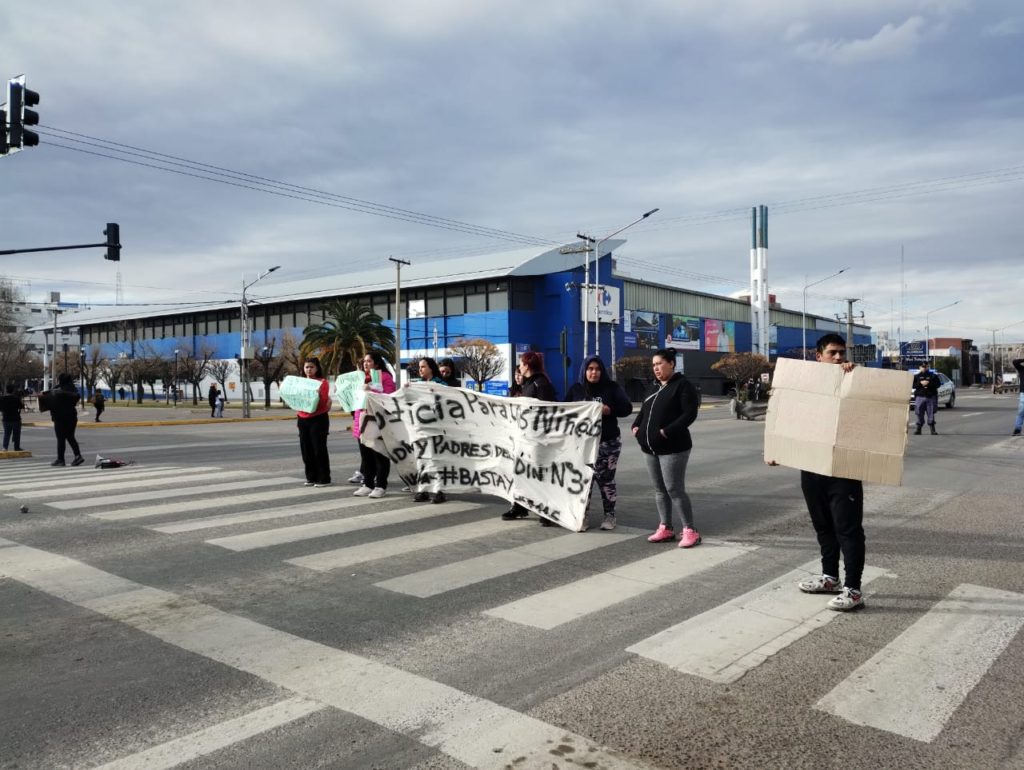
{"x": 202, "y": 609}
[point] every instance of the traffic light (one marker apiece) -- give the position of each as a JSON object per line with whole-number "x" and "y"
{"x": 19, "y": 99}
{"x": 113, "y": 233}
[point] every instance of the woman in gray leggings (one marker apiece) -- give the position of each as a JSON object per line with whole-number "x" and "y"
{"x": 662, "y": 428}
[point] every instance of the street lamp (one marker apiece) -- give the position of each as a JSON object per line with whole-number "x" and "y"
{"x": 597, "y": 282}
{"x": 803, "y": 319}
{"x": 243, "y": 367}
{"x": 174, "y": 385}
{"x": 928, "y": 330}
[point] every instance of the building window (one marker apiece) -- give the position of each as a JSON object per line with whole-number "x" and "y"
{"x": 455, "y": 300}
{"x": 435, "y": 302}
{"x": 381, "y": 305}
{"x": 476, "y": 299}
{"x": 497, "y": 296}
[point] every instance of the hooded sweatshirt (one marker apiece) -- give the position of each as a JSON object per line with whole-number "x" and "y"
{"x": 608, "y": 392}
{"x": 670, "y": 407}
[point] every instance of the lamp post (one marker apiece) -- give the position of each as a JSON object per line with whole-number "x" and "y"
{"x": 243, "y": 366}
{"x": 174, "y": 385}
{"x": 803, "y": 319}
{"x": 928, "y": 330}
{"x": 597, "y": 281}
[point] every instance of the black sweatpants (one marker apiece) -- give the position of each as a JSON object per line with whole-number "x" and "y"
{"x": 313, "y": 444}
{"x": 65, "y": 430}
{"x": 837, "y": 513}
{"x": 375, "y": 467}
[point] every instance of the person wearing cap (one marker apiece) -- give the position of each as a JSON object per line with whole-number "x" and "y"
{"x": 926, "y": 397}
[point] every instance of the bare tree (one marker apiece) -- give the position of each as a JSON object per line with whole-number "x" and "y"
{"x": 93, "y": 363}
{"x": 740, "y": 367}
{"x": 269, "y": 367}
{"x": 291, "y": 355}
{"x": 478, "y": 358}
{"x": 220, "y": 369}
{"x": 193, "y": 368}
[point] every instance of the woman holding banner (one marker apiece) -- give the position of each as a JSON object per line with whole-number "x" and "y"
{"x": 375, "y": 466}
{"x": 430, "y": 372}
{"x": 663, "y": 431}
{"x": 535, "y": 385}
{"x": 595, "y": 385}
{"x": 313, "y": 429}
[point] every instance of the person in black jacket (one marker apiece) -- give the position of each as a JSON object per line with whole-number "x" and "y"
{"x": 64, "y": 413}
{"x": 926, "y": 397}
{"x": 662, "y": 429}
{"x": 596, "y": 385}
{"x": 1018, "y": 364}
{"x": 11, "y": 406}
{"x": 535, "y": 385}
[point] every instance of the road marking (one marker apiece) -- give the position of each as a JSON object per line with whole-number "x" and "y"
{"x": 398, "y": 546}
{"x": 82, "y": 481}
{"x": 971, "y": 414}
{"x": 216, "y": 737}
{"x": 913, "y": 685}
{"x": 550, "y": 609}
{"x": 729, "y": 640}
{"x": 473, "y": 730}
{"x": 246, "y": 517}
{"x": 192, "y": 506}
{"x": 448, "y": 577}
{"x": 134, "y": 497}
{"x": 279, "y": 536}
{"x": 189, "y": 478}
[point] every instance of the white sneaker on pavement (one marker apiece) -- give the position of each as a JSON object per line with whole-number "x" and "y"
{"x": 377, "y": 492}
{"x": 362, "y": 492}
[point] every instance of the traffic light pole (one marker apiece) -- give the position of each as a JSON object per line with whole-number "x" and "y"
{"x": 53, "y": 248}
{"x": 112, "y": 244}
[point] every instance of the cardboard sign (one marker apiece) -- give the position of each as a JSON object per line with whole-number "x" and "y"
{"x": 301, "y": 393}
{"x": 851, "y": 425}
{"x": 536, "y": 453}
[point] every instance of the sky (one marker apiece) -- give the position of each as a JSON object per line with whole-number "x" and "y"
{"x": 883, "y": 135}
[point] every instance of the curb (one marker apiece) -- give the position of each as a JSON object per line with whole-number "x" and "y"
{"x": 195, "y": 421}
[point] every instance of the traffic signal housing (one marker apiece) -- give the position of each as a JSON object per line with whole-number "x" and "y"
{"x": 113, "y": 233}
{"x": 19, "y": 101}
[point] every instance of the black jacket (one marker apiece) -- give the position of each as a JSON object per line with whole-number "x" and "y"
{"x": 1018, "y": 364}
{"x": 539, "y": 386}
{"x": 11, "y": 406}
{"x": 64, "y": 403}
{"x": 926, "y": 385}
{"x": 671, "y": 408}
{"x": 607, "y": 391}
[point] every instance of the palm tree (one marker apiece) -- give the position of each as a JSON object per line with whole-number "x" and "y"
{"x": 348, "y": 330}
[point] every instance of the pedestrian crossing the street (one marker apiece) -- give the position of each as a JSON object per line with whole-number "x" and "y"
{"x": 462, "y": 543}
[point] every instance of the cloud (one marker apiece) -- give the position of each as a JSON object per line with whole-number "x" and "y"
{"x": 890, "y": 42}
{"x": 1005, "y": 28}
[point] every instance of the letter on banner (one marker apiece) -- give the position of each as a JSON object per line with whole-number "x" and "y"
{"x": 536, "y": 453}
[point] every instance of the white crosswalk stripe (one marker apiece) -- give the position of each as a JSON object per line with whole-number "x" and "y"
{"x": 247, "y": 517}
{"x": 724, "y": 643}
{"x": 83, "y": 480}
{"x": 552, "y": 608}
{"x": 188, "y": 478}
{"x": 281, "y": 535}
{"x": 261, "y": 499}
{"x": 134, "y": 497}
{"x": 913, "y": 685}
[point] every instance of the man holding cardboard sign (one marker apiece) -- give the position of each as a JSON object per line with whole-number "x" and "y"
{"x": 840, "y": 427}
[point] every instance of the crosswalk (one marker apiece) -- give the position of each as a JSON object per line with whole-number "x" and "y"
{"x": 322, "y": 530}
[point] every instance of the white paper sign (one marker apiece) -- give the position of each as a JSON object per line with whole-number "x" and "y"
{"x": 349, "y": 390}
{"x": 301, "y": 393}
{"x": 536, "y": 453}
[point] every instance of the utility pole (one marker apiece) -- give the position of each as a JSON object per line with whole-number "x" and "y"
{"x": 398, "y": 314}
{"x": 849, "y": 320}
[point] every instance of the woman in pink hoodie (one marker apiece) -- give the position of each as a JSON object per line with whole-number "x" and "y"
{"x": 374, "y": 466}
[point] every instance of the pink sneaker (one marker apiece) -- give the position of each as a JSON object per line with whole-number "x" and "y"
{"x": 663, "y": 533}
{"x": 689, "y": 538}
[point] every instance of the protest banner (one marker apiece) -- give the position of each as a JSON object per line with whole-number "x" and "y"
{"x": 349, "y": 390}
{"x": 300, "y": 393}
{"x": 536, "y": 453}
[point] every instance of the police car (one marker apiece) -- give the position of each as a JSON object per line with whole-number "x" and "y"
{"x": 947, "y": 390}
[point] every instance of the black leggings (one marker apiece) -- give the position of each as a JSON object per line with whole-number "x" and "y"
{"x": 375, "y": 467}
{"x": 65, "y": 430}
{"x": 837, "y": 513}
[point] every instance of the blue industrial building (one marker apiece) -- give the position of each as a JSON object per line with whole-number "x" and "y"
{"x": 519, "y": 300}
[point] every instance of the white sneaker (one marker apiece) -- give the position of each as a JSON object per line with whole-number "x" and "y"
{"x": 362, "y": 492}
{"x": 849, "y": 599}
{"x": 377, "y": 492}
{"x": 357, "y": 478}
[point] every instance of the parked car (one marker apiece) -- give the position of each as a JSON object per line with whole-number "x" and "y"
{"x": 947, "y": 391}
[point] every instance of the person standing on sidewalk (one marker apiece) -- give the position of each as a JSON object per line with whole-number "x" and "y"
{"x": 99, "y": 402}
{"x": 313, "y": 429}
{"x": 596, "y": 385}
{"x": 11, "y": 406}
{"x": 836, "y": 507}
{"x": 64, "y": 413}
{"x": 1018, "y": 364}
{"x": 926, "y": 397}
{"x": 663, "y": 431}
{"x": 211, "y": 396}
